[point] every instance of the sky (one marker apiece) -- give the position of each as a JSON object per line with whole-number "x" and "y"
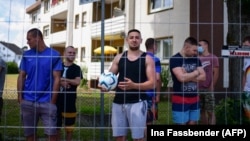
{"x": 14, "y": 22}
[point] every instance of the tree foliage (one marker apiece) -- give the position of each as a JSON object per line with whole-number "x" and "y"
{"x": 238, "y": 27}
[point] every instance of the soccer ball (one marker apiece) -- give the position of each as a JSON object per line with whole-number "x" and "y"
{"x": 108, "y": 80}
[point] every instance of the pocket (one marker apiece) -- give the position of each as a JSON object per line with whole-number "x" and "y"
{"x": 144, "y": 107}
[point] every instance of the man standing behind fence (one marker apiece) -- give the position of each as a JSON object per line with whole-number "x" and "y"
{"x": 246, "y": 82}
{"x": 38, "y": 85}
{"x": 210, "y": 64}
{"x": 66, "y": 102}
{"x": 186, "y": 71}
{"x": 153, "y": 94}
{"x": 3, "y": 71}
{"x": 136, "y": 72}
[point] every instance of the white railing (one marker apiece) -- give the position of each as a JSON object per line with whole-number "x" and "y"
{"x": 59, "y": 7}
{"x": 114, "y": 25}
{"x": 57, "y": 37}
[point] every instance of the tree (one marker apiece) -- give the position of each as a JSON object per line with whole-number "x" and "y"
{"x": 238, "y": 28}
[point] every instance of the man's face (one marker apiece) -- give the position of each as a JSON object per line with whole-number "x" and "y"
{"x": 70, "y": 54}
{"x": 203, "y": 44}
{"x": 191, "y": 50}
{"x": 155, "y": 48}
{"x": 134, "y": 40}
{"x": 246, "y": 43}
{"x": 32, "y": 41}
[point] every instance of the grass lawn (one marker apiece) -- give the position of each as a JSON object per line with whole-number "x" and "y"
{"x": 88, "y": 120}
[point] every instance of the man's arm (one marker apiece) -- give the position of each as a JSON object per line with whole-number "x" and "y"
{"x": 158, "y": 87}
{"x": 74, "y": 82}
{"x": 114, "y": 65}
{"x": 184, "y": 76}
{"x": 20, "y": 83}
{"x": 202, "y": 74}
{"x": 196, "y": 75}
{"x": 56, "y": 86}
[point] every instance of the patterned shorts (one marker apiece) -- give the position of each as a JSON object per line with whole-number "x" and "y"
{"x": 207, "y": 100}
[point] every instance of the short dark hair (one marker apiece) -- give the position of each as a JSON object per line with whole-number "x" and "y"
{"x": 191, "y": 40}
{"x": 247, "y": 38}
{"x": 149, "y": 43}
{"x": 70, "y": 47}
{"x": 134, "y": 30}
{"x": 204, "y": 40}
{"x": 36, "y": 32}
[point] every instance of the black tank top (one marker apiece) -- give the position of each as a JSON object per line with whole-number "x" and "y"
{"x": 136, "y": 71}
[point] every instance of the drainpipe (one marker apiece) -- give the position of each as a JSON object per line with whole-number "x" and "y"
{"x": 70, "y": 23}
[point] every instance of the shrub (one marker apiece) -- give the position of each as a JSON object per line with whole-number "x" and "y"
{"x": 229, "y": 112}
{"x": 12, "y": 68}
{"x": 84, "y": 81}
{"x": 165, "y": 76}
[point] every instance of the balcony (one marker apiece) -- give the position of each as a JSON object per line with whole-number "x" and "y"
{"x": 112, "y": 26}
{"x": 58, "y": 37}
{"x": 59, "y": 7}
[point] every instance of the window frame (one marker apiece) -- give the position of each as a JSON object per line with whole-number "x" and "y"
{"x": 77, "y": 18}
{"x": 46, "y": 31}
{"x": 168, "y": 49}
{"x": 84, "y": 19}
{"x": 83, "y": 52}
{"x": 34, "y": 17}
{"x": 46, "y": 6}
{"x": 162, "y": 7}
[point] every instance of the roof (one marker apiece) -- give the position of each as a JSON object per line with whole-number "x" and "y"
{"x": 12, "y": 47}
{"x": 33, "y": 7}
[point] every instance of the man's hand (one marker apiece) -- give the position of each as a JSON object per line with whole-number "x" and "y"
{"x": 127, "y": 84}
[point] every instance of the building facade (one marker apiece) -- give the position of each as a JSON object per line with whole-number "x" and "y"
{"x": 70, "y": 22}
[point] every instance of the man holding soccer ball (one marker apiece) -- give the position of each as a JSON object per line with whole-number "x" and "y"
{"x": 129, "y": 107}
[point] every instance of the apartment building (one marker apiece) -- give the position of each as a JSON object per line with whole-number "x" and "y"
{"x": 70, "y": 22}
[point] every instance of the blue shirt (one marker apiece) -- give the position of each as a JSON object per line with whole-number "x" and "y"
{"x": 39, "y": 67}
{"x": 151, "y": 93}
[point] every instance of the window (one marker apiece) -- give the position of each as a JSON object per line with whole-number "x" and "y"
{"x": 46, "y": 31}
{"x": 34, "y": 18}
{"x": 158, "y": 5}
{"x": 77, "y": 21}
{"x": 82, "y": 54}
{"x": 76, "y": 49}
{"x": 165, "y": 46}
{"x": 84, "y": 19}
{"x": 46, "y": 6}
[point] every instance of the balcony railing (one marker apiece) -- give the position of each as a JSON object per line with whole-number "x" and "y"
{"x": 114, "y": 25}
{"x": 57, "y": 37}
{"x": 59, "y": 7}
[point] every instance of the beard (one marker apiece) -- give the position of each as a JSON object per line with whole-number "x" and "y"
{"x": 134, "y": 48}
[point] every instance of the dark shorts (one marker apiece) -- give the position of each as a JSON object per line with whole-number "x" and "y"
{"x": 31, "y": 112}
{"x": 150, "y": 116}
{"x": 207, "y": 100}
{"x": 155, "y": 113}
{"x": 66, "y": 110}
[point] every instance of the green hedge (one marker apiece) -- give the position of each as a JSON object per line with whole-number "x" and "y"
{"x": 229, "y": 112}
{"x": 12, "y": 68}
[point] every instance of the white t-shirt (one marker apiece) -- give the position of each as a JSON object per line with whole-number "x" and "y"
{"x": 246, "y": 68}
